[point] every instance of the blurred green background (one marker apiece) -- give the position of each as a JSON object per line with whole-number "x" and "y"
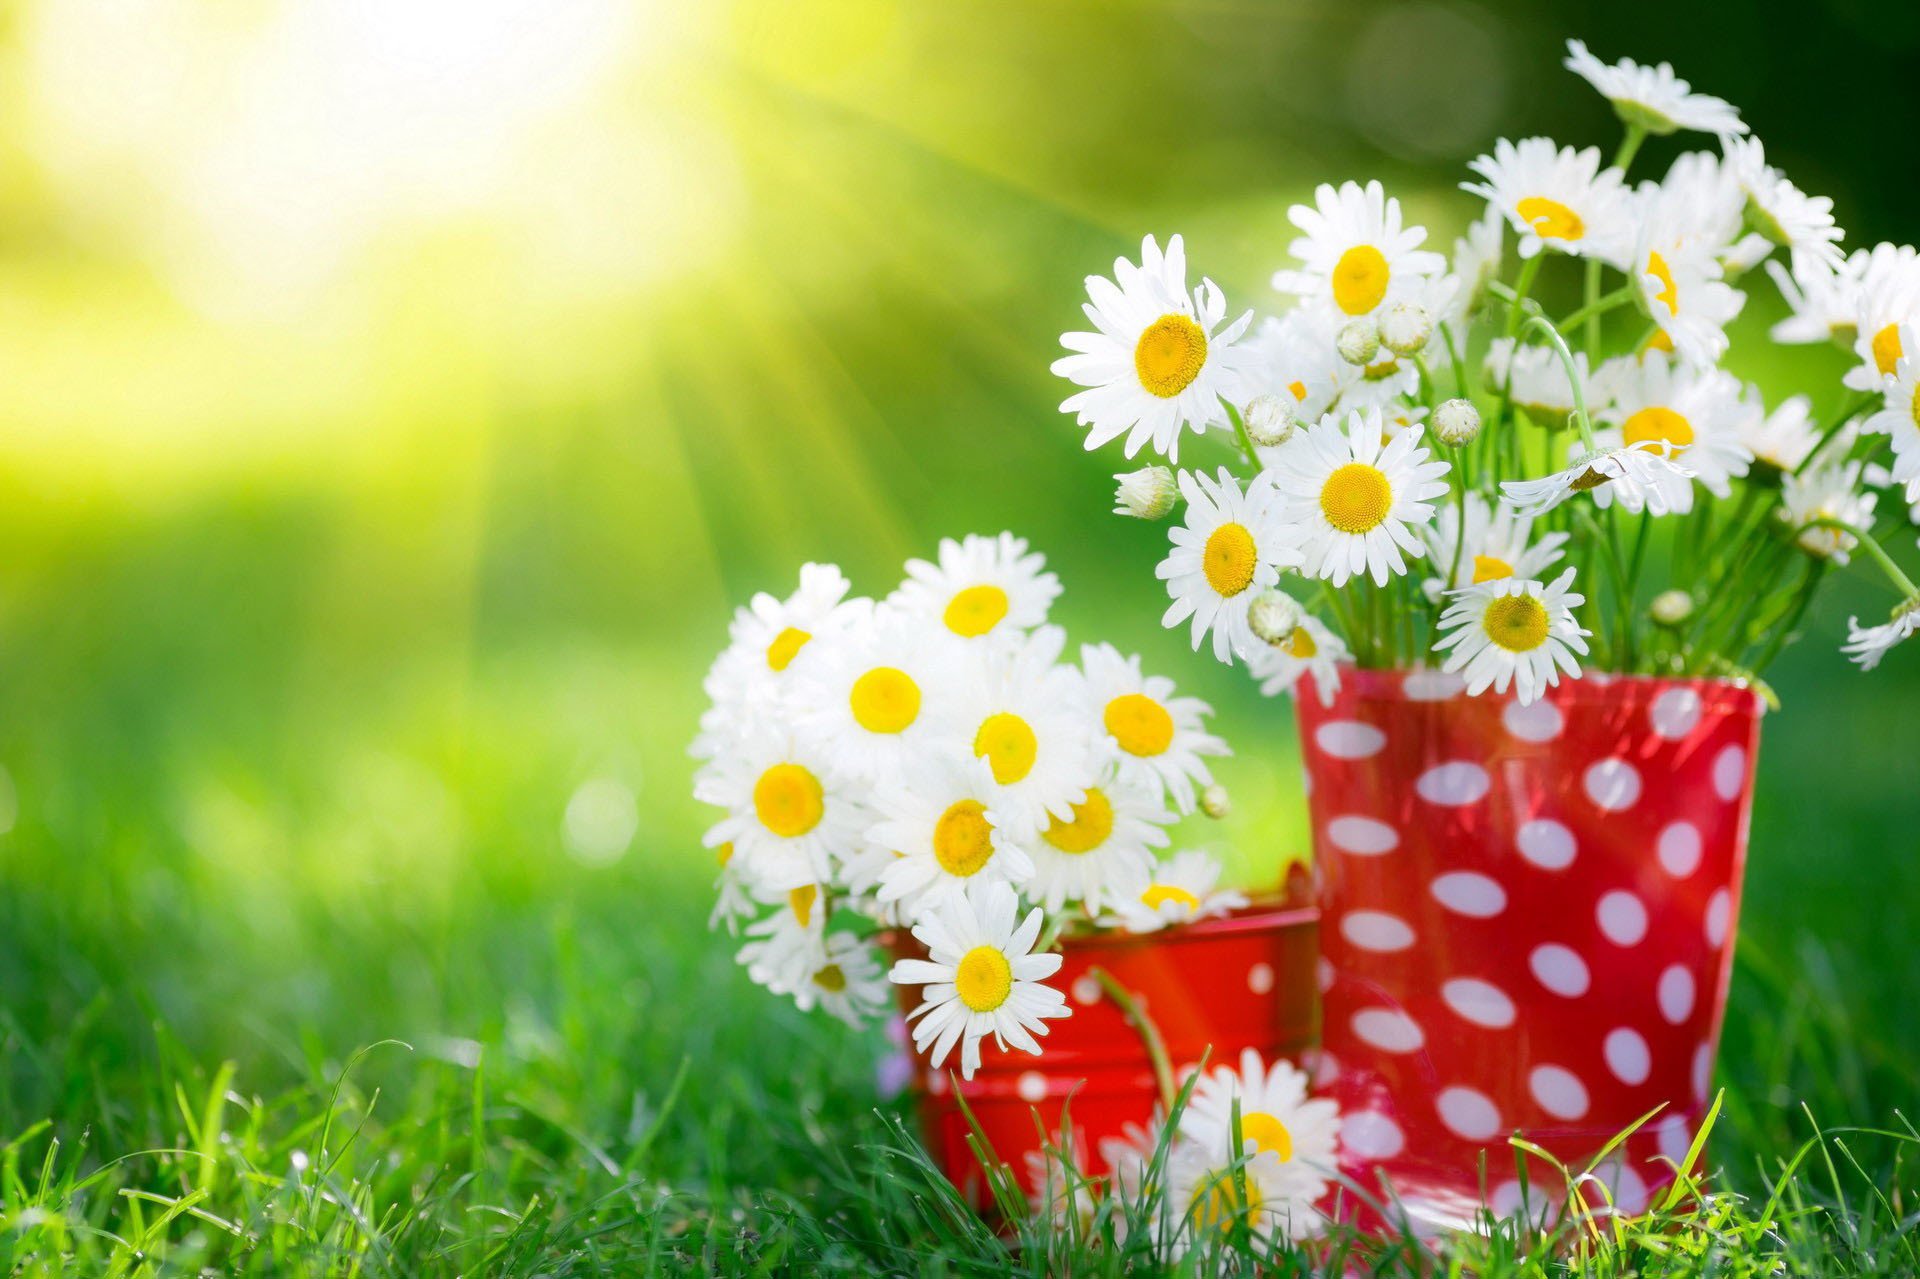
{"x": 396, "y": 398}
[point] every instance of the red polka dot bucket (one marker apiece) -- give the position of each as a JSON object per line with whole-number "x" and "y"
{"x": 1527, "y": 925}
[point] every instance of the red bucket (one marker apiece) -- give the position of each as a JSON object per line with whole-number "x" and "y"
{"x": 1213, "y": 988}
{"x": 1529, "y": 924}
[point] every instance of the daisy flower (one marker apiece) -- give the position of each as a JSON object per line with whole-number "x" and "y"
{"x": 1356, "y": 500}
{"x": 732, "y": 902}
{"x": 1868, "y": 644}
{"x": 1899, "y": 415}
{"x": 1288, "y": 1140}
{"x": 873, "y": 696}
{"x": 1027, "y": 717}
{"x": 1823, "y": 305}
{"x": 1675, "y": 262}
{"x": 1148, "y": 730}
{"x": 945, "y": 824}
{"x": 983, "y": 588}
{"x": 1159, "y": 360}
{"x": 1557, "y": 198}
{"x": 1390, "y": 378}
{"x": 1498, "y": 545}
{"x": 1889, "y": 304}
{"x": 1311, "y": 649}
{"x": 1783, "y": 438}
{"x": 1295, "y": 356}
{"x": 1539, "y": 384}
{"x": 980, "y": 977}
{"x": 1355, "y": 253}
{"x": 789, "y": 816}
{"x": 1800, "y": 223}
{"x": 763, "y": 641}
{"x": 1653, "y": 98}
{"x": 788, "y": 946}
{"x": 1182, "y": 890}
{"x": 1231, "y": 545}
{"x": 1101, "y": 855}
{"x": 1639, "y": 475}
{"x": 1693, "y": 416}
{"x": 1513, "y": 631}
{"x": 1057, "y": 1188}
{"x": 847, "y": 983}
{"x": 1826, "y": 492}
{"x": 1129, "y": 1158}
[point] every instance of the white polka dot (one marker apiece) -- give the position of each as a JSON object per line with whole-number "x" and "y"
{"x": 1322, "y": 1066}
{"x": 1388, "y": 1029}
{"x": 1468, "y": 1113}
{"x": 1613, "y": 784}
{"x": 1031, "y": 1086}
{"x": 1675, "y": 1137}
{"x": 1368, "y": 1134}
{"x": 1675, "y": 994}
{"x": 1559, "y": 1091}
{"x": 1624, "y": 1186}
{"x": 1729, "y": 773}
{"x": 1539, "y": 722}
{"x": 1453, "y": 784}
{"x": 1702, "y": 1070}
{"x": 1465, "y": 892}
{"x": 1719, "y": 916}
{"x": 1362, "y": 836}
{"x": 1622, "y": 918}
{"x": 1627, "y": 1055}
{"x": 1324, "y": 971}
{"x": 1480, "y": 1002}
{"x": 1560, "y": 970}
{"x": 1349, "y": 739}
{"x": 1680, "y": 849}
{"x": 1674, "y": 713}
{"x": 1546, "y": 843}
{"x": 1376, "y": 930}
{"x": 936, "y": 1082}
{"x": 1260, "y": 978}
{"x": 1431, "y": 686}
{"x": 1508, "y": 1200}
{"x": 1085, "y": 990}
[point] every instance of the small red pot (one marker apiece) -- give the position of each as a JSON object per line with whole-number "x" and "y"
{"x": 1214, "y": 988}
{"x": 1529, "y": 924}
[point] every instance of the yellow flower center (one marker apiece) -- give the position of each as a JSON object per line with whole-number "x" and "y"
{"x": 1383, "y": 369}
{"x": 885, "y": 700}
{"x": 1158, "y": 895}
{"x": 1550, "y": 219}
{"x": 1297, "y": 389}
{"x": 800, "y": 902}
{"x": 1216, "y": 1205}
{"x": 1360, "y": 279}
{"x": 1139, "y": 724}
{"x": 1169, "y": 355}
{"x": 787, "y": 800}
{"x": 1886, "y": 349}
{"x": 1658, "y": 342}
{"x": 1300, "y": 644}
{"x": 785, "y": 647}
{"x": 1356, "y": 497}
{"x": 983, "y": 979}
{"x": 831, "y": 978}
{"x": 1007, "y": 743}
{"x": 1268, "y": 1133}
{"x": 963, "y": 838}
{"x": 1229, "y": 559}
{"x": 1091, "y": 825}
{"x": 1490, "y": 568}
{"x": 1659, "y": 425}
{"x": 1913, "y": 406}
{"x": 976, "y": 610}
{"x": 1517, "y": 623}
{"x": 1669, "y": 294}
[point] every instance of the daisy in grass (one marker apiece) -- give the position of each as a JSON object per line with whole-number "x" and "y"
{"x": 789, "y": 816}
{"x": 1057, "y": 1188}
{"x": 1150, "y": 732}
{"x": 1355, "y": 499}
{"x": 980, "y": 977}
{"x": 1356, "y": 254}
{"x": 789, "y": 945}
{"x": 1027, "y": 717}
{"x": 1638, "y": 476}
{"x": 1296, "y": 357}
{"x": 1685, "y": 222}
{"x": 1539, "y": 384}
{"x": 1693, "y": 416}
{"x": 983, "y": 588}
{"x": 763, "y": 642}
{"x": 1826, "y": 492}
{"x": 847, "y": 983}
{"x": 1653, "y": 98}
{"x": 1129, "y": 1158}
{"x": 1308, "y": 649}
{"x": 1287, "y": 1139}
{"x": 1868, "y": 644}
{"x": 1513, "y": 631}
{"x": 1557, "y": 198}
{"x": 1782, "y": 439}
{"x": 1899, "y": 415}
{"x": 1101, "y": 855}
{"x": 1231, "y": 545}
{"x": 873, "y": 696}
{"x": 1498, "y": 545}
{"x": 1183, "y": 889}
{"x": 1799, "y": 223}
{"x": 943, "y": 821}
{"x": 1159, "y": 360}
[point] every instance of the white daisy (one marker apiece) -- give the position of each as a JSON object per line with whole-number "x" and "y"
{"x": 1693, "y": 416}
{"x": 1182, "y": 889}
{"x": 1100, "y": 856}
{"x": 873, "y": 696}
{"x": 1311, "y": 649}
{"x": 1800, "y": 223}
{"x": 1826, "y": 492}
{"x": 1513, "y": 631}
{"x": 1477, "y": 257}
{"x": 1058, "y": 1189}
{"x": 1888, "y": 305}
{"x": 1026, "y": 715}
{"x": 1129, "y": 1159}
{"x": 944, "y": 823}
{"x": 983, "y": 588}
{"x": 1498, "y": 545}
{"x": 1653, "y": 98}
{"x": 787, "y": 946}
{"x": 732, "y": 900}
{"x": 789, "y": 816}
{"x": 1356, "y": 500}
{"x": 1540, "y": 387}
{"x": 1287, "y": 1139}
{"x": 1685, "y": 223}
{"x": 1148, "y": 730}
{"x": 1159, "y": 360}
{"x": 757, "y": 667}
{"x": 1783, "y": 438}
{"x": 1355, "y": 254}
{"x": 1899, "y": 415}
{"x": 1868, "y": 644}
{"x": 1557, "y": 198}
{"x": 1639, "y": 476}
{"x": 848, "y": 982}
{"x": 1296, "y": 357}
{"x": 979, "y": 977}
{"x": 1230, "y": 546}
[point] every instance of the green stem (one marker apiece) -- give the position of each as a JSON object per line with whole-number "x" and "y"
{"x": 1559, "y": 344}
{"x": 1629, "y": 147}
{"x": 1143, "y": 1026}
{"x": 1783, "y": 633}
{"x": 1459, "y": 366}
{"x": 1595, "y": 307}
{"x": 1851, "y": 410}
{"x": 1901, "y": 582}
{"x": 1246, "y": 441}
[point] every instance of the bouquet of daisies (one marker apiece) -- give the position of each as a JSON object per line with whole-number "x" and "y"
{"x": 1524, "y": 457}
{"x": 935, "y": 761}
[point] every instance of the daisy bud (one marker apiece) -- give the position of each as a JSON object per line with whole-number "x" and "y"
{"x": 1273, "y": 615}
{"x": 1457, "y": 423}
{"x": 1146, "y": 494}
{"x": 1359, "y": 341}
{"x": 1269, "y": 420}
{"x": 1214, "y": 802}
{"x": 1671, "y": 608}
{"x": 1406, "y": 328}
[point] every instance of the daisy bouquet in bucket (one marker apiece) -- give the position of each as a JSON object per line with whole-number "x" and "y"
{"x": 1524, "y": 458}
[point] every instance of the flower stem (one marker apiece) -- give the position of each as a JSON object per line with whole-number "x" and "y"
{"x": 1143, "y": 1026}
{"x": 1851, "y": 410}
{"x": 1901, "y": 582}
{"x": 1559, "y": 344}
{"x": 1596, "y": 307}
{"x": 1246, "y": 441}
{"x": 1629, "y": 147}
